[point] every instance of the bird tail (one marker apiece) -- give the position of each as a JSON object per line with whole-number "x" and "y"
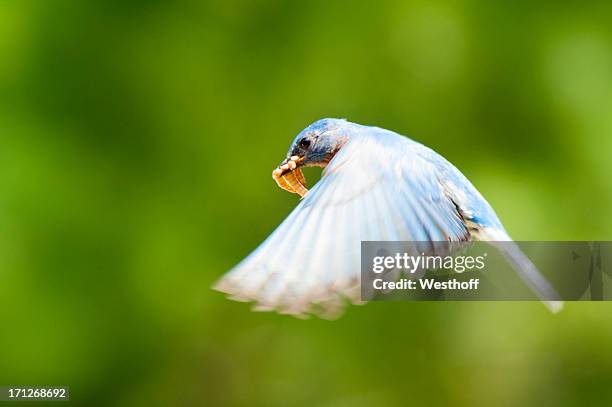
{"x": 526, "y": 270}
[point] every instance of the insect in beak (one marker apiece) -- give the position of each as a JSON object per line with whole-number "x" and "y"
{"x": 289, "y": 176}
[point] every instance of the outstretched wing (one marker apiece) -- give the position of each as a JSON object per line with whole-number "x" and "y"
{"x": 379, "y": 187}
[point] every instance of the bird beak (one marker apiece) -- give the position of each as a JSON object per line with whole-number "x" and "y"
{"x": 291, "y": 163}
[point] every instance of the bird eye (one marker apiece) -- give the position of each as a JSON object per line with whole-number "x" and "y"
{"x": 304, "y": 143}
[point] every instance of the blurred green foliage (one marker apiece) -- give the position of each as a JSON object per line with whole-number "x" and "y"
{"x": 137, "y": 144}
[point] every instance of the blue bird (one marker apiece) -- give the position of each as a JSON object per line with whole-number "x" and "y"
{"x": 376, "y": 186}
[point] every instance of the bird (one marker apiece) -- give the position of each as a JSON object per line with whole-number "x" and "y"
{"x": 376, "y": 185}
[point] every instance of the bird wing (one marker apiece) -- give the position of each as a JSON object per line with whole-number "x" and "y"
{"x": 382, "y": 187}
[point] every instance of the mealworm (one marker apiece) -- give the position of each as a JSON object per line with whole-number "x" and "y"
{"x": 295, "y": 179}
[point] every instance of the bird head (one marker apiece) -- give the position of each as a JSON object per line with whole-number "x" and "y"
{"x": 317, "y": 144}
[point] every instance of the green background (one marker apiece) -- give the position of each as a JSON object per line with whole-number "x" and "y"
{"x": 138, "y": 139}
